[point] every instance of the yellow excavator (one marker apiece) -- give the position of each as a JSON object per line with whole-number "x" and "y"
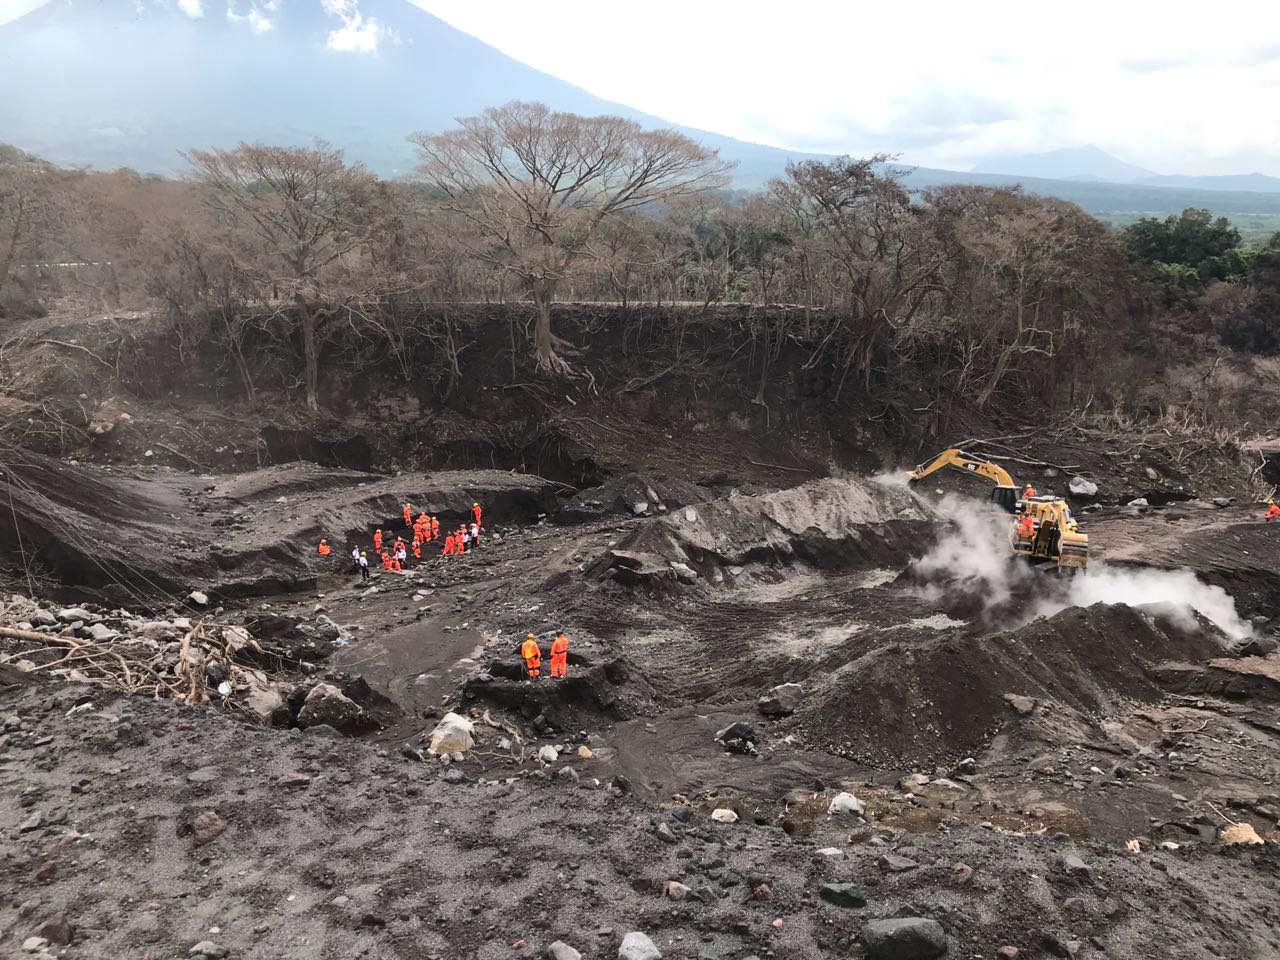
{"x": 1044, "y": 530}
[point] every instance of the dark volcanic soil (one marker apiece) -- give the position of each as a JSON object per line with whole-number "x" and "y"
{"x": 1082, "y": 765}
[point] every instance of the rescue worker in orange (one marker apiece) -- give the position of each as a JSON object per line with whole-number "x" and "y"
{"x": 1026, "y": 526}
{"x": 476, "y": 511}
{"x": 559, "y": 656}
{"x": 435, "y": 528}
{"x": 323, "y": 548}
{"x": 448, "y": 546}
{"x": 386, "y": 560}
{"x": 377, "y": 540}
{"x": 1029, "y": 492}
{"x": 417, "y": 549}
{"x": 1272, "y": 511}
{"x": 532, "y": 656}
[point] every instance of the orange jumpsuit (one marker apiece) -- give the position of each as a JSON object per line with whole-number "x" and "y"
{"x": 417, "y": 549}
{"x": 559, "y": 655}
{"x": 532, "y": 657}
{"x": 435, "y": 527}
{"x": 448, "y": 546}
{"x": 1030, "y": 491}
{"x": 476, "y": 510}
{"x": 1273, "y": 511}
{"x": 1026, "y": 526}
{"x": 386, "y": 560}
{"x": 377, "y": 541}
{"x": 408, "y": 515}
{"x": 323, "y": 549}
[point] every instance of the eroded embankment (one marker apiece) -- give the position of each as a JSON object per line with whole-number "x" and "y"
{"x": 829, "y": 524}
{"x": 144, "y": 536}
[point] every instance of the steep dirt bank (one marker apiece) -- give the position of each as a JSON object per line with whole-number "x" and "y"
{"x": 151, "y": 534}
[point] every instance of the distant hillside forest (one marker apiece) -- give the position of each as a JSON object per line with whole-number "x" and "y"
{"x": 1001, "y": 296}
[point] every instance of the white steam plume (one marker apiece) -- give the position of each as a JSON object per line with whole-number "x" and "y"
{"x": 973, "y": 555}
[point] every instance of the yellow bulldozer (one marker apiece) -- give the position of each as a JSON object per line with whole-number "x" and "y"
{"x": 1043, "y": 530}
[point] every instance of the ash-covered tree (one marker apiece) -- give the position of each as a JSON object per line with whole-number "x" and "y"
{"x": 28, "y": 211}
{"x": 539, "y": 184}
{"x": 297, "y": 213}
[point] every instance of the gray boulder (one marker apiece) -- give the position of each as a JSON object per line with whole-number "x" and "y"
{"x": 329, "y": 706}
{"x": 636, "y": 946}
{"x": 72, "y": 614}
{"x": 562, "y": 951}
{"x": 843, "y": 895}
{"x": 907, "y": 938}
{"x": 684, "y": 573}
{"x": 101, "y": 633}
{"x": 782, "y": 700}
{"x": 1082, "y": 489}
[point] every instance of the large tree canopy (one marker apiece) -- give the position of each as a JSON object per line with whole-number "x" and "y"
{"x": 539, "y": 185}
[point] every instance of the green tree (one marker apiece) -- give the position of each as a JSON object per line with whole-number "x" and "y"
{"x": 1193, "y": 238}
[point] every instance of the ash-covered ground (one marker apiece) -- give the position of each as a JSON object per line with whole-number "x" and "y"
{"x": 1037, "y": 764}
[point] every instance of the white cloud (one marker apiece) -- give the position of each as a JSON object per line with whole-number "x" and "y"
{"x": 257, "y": 18}
{"x": 192, "y": 8}
{"x": 358, "y": 34}
{"x": 1177, "y": 93}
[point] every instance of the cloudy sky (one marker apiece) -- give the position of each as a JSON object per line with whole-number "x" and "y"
{"x": 1176, "y": 87}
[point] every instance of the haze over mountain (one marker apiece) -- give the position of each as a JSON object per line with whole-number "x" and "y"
{"x": 1093, "y": 163}
{"x": 133, "y": 82}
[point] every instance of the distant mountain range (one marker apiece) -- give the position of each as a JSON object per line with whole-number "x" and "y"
{"x": 1092, "y": 163}
{"x": 109, "y": 83}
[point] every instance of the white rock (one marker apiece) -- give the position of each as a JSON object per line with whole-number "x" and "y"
{"x": 691, "y": 514}
{"x": 724, "y": 815}
{"x": 636, "y": 946}
{"x": 1139, "y": 502}
{"x": 562, "y": 951}
{"x": 548, "y": 754}
{"x": 101, "y": 633}
{"x": 846, "y": 803}
{"x": 640, "y": 508}
{"x": 72, "y": 614}
{"x": 1080, "y": 487}
{"x": 684, "y": 573}
{"x": 34, "y": 944}
{"x": 835, "y": 853}
{"x": 196, "y": 597}
{"x": 451, "y": 735}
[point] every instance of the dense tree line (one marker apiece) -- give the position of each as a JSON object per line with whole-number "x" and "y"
{"x": 998, "y": 294}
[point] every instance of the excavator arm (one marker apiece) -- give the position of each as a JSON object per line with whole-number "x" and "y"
{"x": 1005, "y": 493}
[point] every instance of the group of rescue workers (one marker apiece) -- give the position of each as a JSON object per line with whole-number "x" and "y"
{"x": 394, "y": 554}
{"x": 425, "y": 530}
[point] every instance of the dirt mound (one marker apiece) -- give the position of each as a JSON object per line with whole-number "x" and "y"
{"x": 146, "y": 536}
{"x": 944, "y": 697}
{"x": 830, "y": 523}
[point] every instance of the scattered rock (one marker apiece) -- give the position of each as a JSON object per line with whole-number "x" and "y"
{"x": 1238, "y": 834}
{"x": 1139, "y": 502}
{"x": 738, "y": 738}
{"x": 724, "y": 815}
{"x": 32, "y": 822}
{"x": 1082, "y": 489}
{"x": 207, "y": 948}
{"x": 843, "y": 895}
{"x": 47, "y": 871}
{"x": 684, "y": 573}
{"x": 453, "y": 734}
{"x": 562, "y": 951}
{"x": 584, "y": 752}
{"x": 961, "y": 873}
{"x": 1221, "y": 501}
{"x": 327, "y": 705}
{"x": 636, "y": 946}
{"x": 454, "y": 775}
{"x": 293, "y": 781}
{"x": 204, "y": 775}
{"x": 1007, "y": 952}
{"x": 782, "y": 700}
{"x": 1022, "y": 706}
{"x": 1257, "y": 647}
{"x": 674, "y": 890}
{"x": 665, "y": 834}
{"x": 846, "y": 803}
{"x": 101, "y": 633}
{"x": 34, "y": 944}
{"x": 207, "y": 827}
{"x": 1075, "y": 866}
{"x": 72, "y": 614}
{"x": 199, "y": 598}
{"x": 893, "y": 863}
{"x": 833, "y": 853}
{"x": 762, "y": 892}
{"x": 905, "y": 938}
{"x": 57, "y": 929}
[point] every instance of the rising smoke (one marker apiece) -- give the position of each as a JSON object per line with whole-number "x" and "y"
{"x": 973, "y": 556}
